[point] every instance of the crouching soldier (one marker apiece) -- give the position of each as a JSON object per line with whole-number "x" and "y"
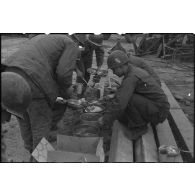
{"x": 32, "y": 79}
{"x": 137, "y": 61}
{"x": 139, "y": 100}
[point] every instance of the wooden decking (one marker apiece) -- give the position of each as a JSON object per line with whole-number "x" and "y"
{"x": 176, "y": 131}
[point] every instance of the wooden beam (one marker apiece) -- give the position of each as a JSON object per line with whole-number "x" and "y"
{"x": 173, "y": 103}
{"x": 185, "y": 127}
{"x": 165, "y": 137}
{"x": 121, "y": 149}
{"x": 145, "y": 148}
{"x": 138, "y": 151}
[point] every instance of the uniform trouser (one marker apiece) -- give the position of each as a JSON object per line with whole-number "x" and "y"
{"x": 38, "y": 121}
{"x": 141, "y": 111}
{"x": 87, "y": 75}
{"x": 83, "y": 68}
{"x": 85, "y": 63}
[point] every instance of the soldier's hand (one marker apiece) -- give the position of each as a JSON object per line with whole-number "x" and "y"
{"x": 109, "y": 96}
{"x": 81, "y": 48}
{"x": 61, "y": 100}
{"x": 79, "y": 73}
{"x": 70, "y": 91}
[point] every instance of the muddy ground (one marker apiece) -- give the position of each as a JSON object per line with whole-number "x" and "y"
{"x": 179, "y": 77}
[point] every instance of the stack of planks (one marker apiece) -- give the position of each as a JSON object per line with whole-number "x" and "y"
{"x": 176, "y": 131}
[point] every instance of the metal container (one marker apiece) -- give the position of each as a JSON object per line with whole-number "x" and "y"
{"x": 73, "y": 103}
{"x": 90, "y": 118}
{"x": 101, "y": 108}
{"x": 86, "y": 130}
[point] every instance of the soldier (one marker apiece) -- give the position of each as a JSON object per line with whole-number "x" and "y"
{"x": 137, "y": 61}
{"x": 90, "y": 43}
{"x": 32, "y": 79}
{"x": 139, "y": 100}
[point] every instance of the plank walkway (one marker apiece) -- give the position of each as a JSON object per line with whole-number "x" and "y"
{"x": 145, "y": 149}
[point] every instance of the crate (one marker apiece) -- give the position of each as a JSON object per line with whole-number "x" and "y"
{"x": 77, "y": 149}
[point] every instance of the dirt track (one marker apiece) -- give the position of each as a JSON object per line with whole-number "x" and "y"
{"x": 178, "y": 77}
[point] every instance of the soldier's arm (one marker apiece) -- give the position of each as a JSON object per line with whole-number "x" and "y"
{"x": 121, "y": 100}
{"x": 136, "y": 61}
{"x": 66, "y": 65}
{"x": 150, "y": 71}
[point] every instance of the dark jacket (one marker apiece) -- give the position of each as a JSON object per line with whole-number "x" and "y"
{"x": 140, "y": 82}
{"x": 49, "y": 61}
{"x": 141, "y": 63}
{"x": 87, "y": 55}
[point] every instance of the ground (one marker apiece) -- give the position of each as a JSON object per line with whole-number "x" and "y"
{"x": 179, "y": 77}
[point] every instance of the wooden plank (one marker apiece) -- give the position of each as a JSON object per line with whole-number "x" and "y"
{"x": 121, "y": 149}
{"x": 138, "y": 151}
{"x": 165, "y": 137}
{"x": 173, "y": 103}
{"x": 185, "y": 127}
{"x": 147, "y": 152}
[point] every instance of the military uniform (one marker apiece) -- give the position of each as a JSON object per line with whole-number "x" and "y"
{"x": 139, "y": 62}
{"x": 86, "y": 57}
{"x": 46, "y": 63}
{"x": 139, "y": 101}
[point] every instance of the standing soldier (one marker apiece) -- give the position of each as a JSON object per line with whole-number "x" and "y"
{"x": 90, "y": 43}
{"x": 32, "y": 79}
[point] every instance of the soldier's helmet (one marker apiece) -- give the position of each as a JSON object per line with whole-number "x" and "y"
{"x": 117, "y": 58}
{"x": 15, "y": 93}
{"x": 96, "y": 40}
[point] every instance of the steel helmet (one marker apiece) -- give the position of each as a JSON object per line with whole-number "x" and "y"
{"x": 118, "y": 46}
{"x": 117, "y": 58}
{"x": 96, "y": 40}
{"x": 15, "y": 93}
